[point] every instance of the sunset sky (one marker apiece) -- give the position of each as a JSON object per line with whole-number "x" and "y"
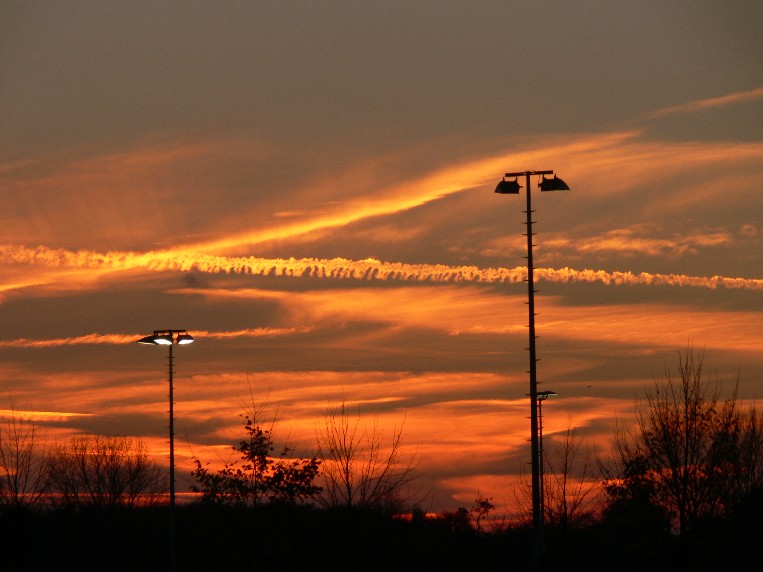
{"x": 307, "y": 187}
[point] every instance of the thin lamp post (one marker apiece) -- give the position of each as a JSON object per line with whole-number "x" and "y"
{"x": 512, "y": 188}
{"x": 542, "y": 396}
{"x": 170, "y": 338}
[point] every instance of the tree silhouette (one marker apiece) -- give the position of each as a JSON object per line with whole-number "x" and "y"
{"x": 480, "y": 510}
{"x": 568, "y": 486}
{"x": 257, "y": 475}
{"x": 23, "y": 475}
{"x": 691, "y": 457}
{"x": 104, "y": 471}
{"x": 358, "y": 470}
{"x": 748, "y": 465}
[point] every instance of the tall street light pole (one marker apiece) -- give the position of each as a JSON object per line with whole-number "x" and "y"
{"x": 511, "y": 187}
{"x": 170, "y": 338}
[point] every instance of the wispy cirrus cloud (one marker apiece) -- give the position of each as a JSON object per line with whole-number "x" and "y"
{"x": 639, "y": 241}
{"x": 384, "y": 200}
{"x": 132, "y": 195}
{"x": 468, "y": 311}
{"x": 713, "y": 102}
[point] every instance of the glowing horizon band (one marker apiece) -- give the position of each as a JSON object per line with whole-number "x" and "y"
{"x": 341, "y": 268}
{"x": 27, "y": 416}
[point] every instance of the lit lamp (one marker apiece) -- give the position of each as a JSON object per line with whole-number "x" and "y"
{"x": 511, "y": 187}
{"x": 169, "y": 338}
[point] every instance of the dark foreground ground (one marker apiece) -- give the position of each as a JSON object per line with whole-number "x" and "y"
{"x": 306, "y": 539}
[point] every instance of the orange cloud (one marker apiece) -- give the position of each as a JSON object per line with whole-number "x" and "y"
{"x": 462, "y": 311}
{"x": 76, "y": 340}
{"x": 631, "y": 241}
{"x": 453, "y": 311}
{"x": 654, "y": 325}
{"x": 400, "y": 197}
{"x": 59, "y": 197}
{"x": 616, "y": 169}
{"x": 130, "y": 194}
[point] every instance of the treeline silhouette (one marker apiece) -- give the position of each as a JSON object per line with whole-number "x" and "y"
{"x": 681, "y": 490}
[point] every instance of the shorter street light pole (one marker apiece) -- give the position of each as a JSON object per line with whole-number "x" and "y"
{"x": 169, "y": 338}
{"x": 511, "y": 187}
{"x": 542, "y": 396}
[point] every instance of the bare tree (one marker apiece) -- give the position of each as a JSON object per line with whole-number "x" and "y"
{"x": 22, "y": 462}
{"x": 358, "y": 470}
{"x": 748, "y": 474}
{"x": 104, "y": 471}
{"x": 569, "y": 487}
{"x": 684, "y": 455}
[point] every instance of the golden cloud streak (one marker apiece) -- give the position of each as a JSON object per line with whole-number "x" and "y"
{"x": 402, "y": 197}
{"x": 89, "y": 339}
{"x": 40, "y": 415}
{"x": 119, "y": 339}
{"x": 342, "y": 268}
{"x": 251, "y": 333}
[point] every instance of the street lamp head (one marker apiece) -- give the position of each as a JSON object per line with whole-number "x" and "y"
{"x": 167, "y": 338}
{"x": 148, "y": 340}
{"x": 555, "y": 184}
{"x": 546, "y": 394}
{"x": 508, "y": 187}
{"x": 184, "y": 339}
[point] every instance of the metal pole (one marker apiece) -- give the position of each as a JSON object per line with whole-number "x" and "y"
{"x": 540, "y": 462}
{"x": 170, "y": 338}
{"x": 537, "y": 524}
{"x": 173, "y": 549}
{"x": 505, "y": 187}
